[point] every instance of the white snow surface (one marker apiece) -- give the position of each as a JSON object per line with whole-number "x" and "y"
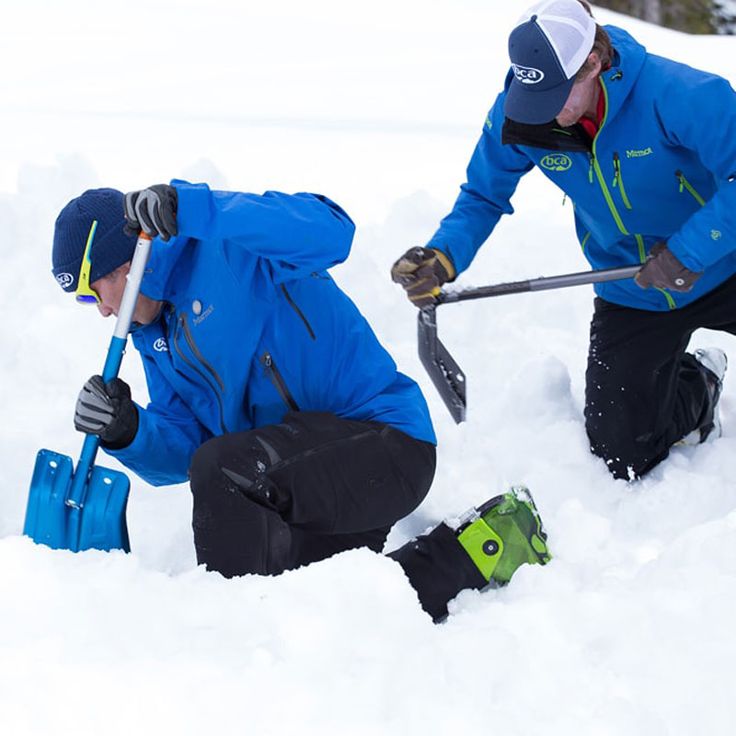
{"x": 629, "y": 630}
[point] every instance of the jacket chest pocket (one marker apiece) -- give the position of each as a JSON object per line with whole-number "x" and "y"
{"x": 274, "y": 375}
{"x": 295, "y": 307}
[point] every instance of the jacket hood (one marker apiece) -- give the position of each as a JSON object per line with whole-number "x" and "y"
{"x": 628, "y": 60}
{"x": 161, "y": 264}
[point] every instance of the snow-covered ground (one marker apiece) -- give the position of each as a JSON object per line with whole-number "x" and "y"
{"x": 628, "y": 631}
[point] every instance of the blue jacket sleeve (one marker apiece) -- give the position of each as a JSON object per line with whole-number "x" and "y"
{"x": 710, "y": 233}
{"x": 298, "y": 233}
{"x": 168, "y": 435}
{"x": 492, "y": 176}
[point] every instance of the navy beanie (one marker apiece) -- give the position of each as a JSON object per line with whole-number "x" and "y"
{"x": 111, "y": 247}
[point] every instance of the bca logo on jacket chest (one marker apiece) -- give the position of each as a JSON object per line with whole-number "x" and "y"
{"x": 556, "y": 162}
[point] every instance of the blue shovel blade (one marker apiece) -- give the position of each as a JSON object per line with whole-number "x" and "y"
{"x": 99, "y": 524}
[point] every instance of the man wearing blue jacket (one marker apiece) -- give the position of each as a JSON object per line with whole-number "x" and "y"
{"x": 268, "y": 389}
{"x": 646, "y": 150}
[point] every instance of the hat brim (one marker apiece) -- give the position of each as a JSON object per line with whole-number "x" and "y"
{"x": 524, "y": 104}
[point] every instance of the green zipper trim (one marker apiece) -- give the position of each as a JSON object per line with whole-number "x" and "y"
{"x": 618, "y": 180}
{"x": 609, "y": 199}
{"x": 642, "y": 249}
{"x": 670, "y": 301}
{"x": 596, "y": 167}
{"x": 690, "y": 188}
{"x": 585, "y": 241}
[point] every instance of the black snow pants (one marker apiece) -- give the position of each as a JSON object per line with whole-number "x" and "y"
{"x": 285, "y": 495}
{"x": 644, "y": 392}
{"x": 288, "y": 494}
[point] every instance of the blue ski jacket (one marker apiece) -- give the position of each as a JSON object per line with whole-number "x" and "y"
{"x": 253, "y": 326}
{"x": 661, "y": 167}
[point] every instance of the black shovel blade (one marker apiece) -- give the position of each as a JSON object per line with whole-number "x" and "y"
{"x": 441, "y": 367}
{"x": 99, "y": 524}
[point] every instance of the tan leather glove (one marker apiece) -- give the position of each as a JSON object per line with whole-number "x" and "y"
{"x": 422, "y": 271}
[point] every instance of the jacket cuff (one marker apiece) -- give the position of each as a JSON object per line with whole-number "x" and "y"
{"x": 194, "y": 211}
{"x": 678, "y": 249}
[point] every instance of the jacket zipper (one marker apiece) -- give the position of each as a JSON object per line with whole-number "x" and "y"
{"x": 181, "y": 322}
{"x": 609, "y": 199}
{"x": 299, "y": 312}
{"x": 618, "y": 180}
{"x": 685, "y": 184}
{"x": 278, "y": 381}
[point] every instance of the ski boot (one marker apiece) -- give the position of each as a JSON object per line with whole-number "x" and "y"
{"x": 480, "y": 549}
{"x": 713, "y": 363}
{"x": 502, "y": 534}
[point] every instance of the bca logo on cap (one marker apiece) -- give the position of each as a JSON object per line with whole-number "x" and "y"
{"x": 65, "y": 280}
{"x": 527, "y": 74}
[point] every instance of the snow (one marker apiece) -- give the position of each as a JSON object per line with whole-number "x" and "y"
{"x": 627, "y": 631}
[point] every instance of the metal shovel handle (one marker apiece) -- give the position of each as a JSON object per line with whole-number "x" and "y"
{"x": 540, "y": 284}
{"x": 114, "y": 358}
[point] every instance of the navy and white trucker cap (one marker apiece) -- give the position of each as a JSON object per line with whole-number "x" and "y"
{"x": 547, "y": 48}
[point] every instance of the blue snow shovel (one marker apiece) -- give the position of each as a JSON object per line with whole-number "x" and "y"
{"x": 85, "y": 508}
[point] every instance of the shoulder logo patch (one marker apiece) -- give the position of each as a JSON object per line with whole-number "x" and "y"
{"x": 556, "y": 162}
{"x": 160, "y": 345}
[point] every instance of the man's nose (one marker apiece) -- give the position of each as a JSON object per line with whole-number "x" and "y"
{"x": 104, "y": 310}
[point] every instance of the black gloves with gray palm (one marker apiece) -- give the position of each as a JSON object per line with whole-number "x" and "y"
{"x": 663, "y": 270}
{"x": 106, "y": 409}
{"x": 422, "y": 271}
{"x": 152, "y": 210}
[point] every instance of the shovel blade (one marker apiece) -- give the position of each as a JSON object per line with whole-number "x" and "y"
{"x": 441, "y": 367}
{"x": 99, "y": 524}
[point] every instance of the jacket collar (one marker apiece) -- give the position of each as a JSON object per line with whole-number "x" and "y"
{"x": 157, "y": 279}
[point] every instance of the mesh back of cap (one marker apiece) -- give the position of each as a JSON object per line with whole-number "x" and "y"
{"x": 569, "y": 29}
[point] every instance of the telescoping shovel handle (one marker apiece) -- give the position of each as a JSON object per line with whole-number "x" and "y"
{"x": 540, "y": 284}
{"x": 441, "y": 367}
{"x": 114, "y": 358}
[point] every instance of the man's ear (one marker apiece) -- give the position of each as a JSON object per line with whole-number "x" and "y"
{"x": 595, "y": 65}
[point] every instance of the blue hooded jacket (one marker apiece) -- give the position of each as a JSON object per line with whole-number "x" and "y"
{"x": 662, "y": 167}
{"x": 253, "y": 326}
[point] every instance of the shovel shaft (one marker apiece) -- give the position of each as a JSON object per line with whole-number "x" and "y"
{"x": 541, "y": 284}
{"x": 115, "y": 352}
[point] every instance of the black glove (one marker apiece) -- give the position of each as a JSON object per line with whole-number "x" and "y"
{"x": 108, "y": 411}
{"x": 421, "y": 271}
{"x": 663, "y": 271}
{"x": 152, "y": 210}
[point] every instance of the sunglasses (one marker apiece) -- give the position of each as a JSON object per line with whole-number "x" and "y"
{"x": 85, "y": 294}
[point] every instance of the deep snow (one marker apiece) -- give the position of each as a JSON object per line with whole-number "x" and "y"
{"x": 627, "y": 631}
